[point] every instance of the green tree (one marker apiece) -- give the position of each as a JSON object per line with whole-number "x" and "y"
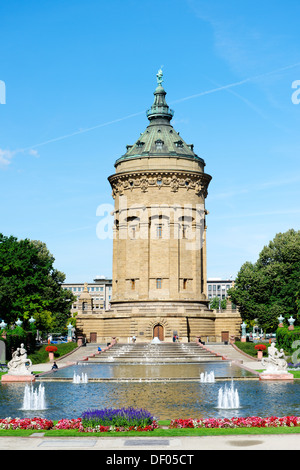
{"x": 214, "y": 303}
{"x": 30, "y": 285}
{"x": 270, "y": 287}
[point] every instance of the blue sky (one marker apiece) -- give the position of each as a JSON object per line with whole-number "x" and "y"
{"x": 79, "y": 76}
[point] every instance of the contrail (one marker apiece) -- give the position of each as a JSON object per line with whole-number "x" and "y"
{"x": 82, "y": 131}
{"x": 241, "y": 82}
{"x": 208, "y": 92}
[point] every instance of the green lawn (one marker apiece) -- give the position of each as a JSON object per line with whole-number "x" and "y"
{"x": 41, "y": 355}
{"x": 249, "y": 347}
{"x": 157, "y": 432}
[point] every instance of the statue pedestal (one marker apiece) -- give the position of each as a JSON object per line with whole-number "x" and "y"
{"x": 6, "y": 378}
{"x": 276, "y": 376}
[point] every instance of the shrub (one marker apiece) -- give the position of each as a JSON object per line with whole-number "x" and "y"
{"x": 285, "y": 338}
{"x": 14, "y": 338}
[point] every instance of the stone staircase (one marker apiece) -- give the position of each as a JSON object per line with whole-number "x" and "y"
{"x": 155, "y": 353}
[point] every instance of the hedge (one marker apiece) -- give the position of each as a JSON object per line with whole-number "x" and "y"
{"x": 14, "y": 339}
{"x": 285, "y": 338}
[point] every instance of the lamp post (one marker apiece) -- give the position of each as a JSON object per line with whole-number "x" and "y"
{"x": 32, "y": 321}
{"x": 291, "y": 321}
{"x": 3, "y": 325}
{"x": 243, "y": 325}
{"x": 18, "y": 322}
{"x": 69, "y": 326}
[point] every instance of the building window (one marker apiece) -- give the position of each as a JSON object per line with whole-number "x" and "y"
{"x": 159, "y": 231}
{"x": 159, "y": 144}
{"x": 133, "y": 232}
{"x": 209, "y": 288}
{"x": 185, "y": 283}
{"x": 184, "y": 231}
{"x": 179, "y": 144}
{"x": 158, "y": 283}
{"x": 132, "y": 282}
{"x": 214, "y": 288}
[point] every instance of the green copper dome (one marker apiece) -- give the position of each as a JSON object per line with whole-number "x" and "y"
{"x": 159, "y": 138}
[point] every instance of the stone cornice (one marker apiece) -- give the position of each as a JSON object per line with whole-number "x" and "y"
{"x": 152, "y": 179}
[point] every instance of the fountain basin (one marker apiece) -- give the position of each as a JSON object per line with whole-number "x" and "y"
{"x": 8, "y": 378}
{"x": 274, "y": 376}
{"x": 169, "y": 400}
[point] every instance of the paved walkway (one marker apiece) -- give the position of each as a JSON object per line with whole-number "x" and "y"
{"x": 228, "y": 351}
{"x": 78, "y": 355}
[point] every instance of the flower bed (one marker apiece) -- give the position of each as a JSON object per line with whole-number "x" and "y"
{"x": 250, "y": 422}
{"x": 26, "y": 423}
{"x": 45, "y": 424}
{"x": 78, "y": 424}
{"x": 118, "y": 418}
{"x": 210, "y": 423}
{"x": 107, "y": 420}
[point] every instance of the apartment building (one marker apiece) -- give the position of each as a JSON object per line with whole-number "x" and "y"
{"x": 218, "y": 287}
{"x": 99, "y": 290}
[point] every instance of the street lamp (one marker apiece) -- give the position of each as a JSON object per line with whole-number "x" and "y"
{"x": 69, "y": 326}
{"x": 3, "y": 325}
{"x": 243, "y": 325}
{"x": 31, "y": 320}
{"x": 291, "y": 321}
{"x": 19, "y": 322}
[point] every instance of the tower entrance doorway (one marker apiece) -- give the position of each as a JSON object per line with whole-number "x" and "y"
{"x": 158, "y": 332}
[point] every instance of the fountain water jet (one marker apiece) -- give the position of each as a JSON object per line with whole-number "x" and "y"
{"x": 155, "y": 340}
{"x": 207, "y": 377}
{"x": 77, "y": 379}
{"x": 34, "y": 399}
{"x": 228, "y": 398}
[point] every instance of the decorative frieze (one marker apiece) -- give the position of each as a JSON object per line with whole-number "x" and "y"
{"x": 174, "y": 180}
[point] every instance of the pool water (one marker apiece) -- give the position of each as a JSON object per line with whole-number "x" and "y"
{"x": 151, "y": 371}
{"x": 165, "y": 400}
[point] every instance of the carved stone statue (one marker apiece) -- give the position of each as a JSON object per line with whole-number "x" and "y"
{"x": 275, "y": 362}
{"x": 19, "y": 363}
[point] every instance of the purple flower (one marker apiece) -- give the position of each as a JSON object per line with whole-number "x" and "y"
{"x": 117, "y": 417}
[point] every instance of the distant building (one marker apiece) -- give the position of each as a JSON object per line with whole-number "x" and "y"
{"x": 99, "y": 291}
{"x": 218, "y": 287}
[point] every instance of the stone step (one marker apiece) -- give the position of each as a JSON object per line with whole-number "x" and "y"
{"x": 159, "y": 353}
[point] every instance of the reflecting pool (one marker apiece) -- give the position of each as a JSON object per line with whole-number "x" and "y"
{"x": 151, "y": 371}
{"x": 165, "y": 400}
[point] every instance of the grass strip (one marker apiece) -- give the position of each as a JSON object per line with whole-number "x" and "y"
{"x": 156, "y": 433}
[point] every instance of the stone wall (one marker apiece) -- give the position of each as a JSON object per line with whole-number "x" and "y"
{"x": 188, "y": 321}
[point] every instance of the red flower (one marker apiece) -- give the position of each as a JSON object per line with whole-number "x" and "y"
{"x": 260, "y": 347}
{"x": 51, "y": 348}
